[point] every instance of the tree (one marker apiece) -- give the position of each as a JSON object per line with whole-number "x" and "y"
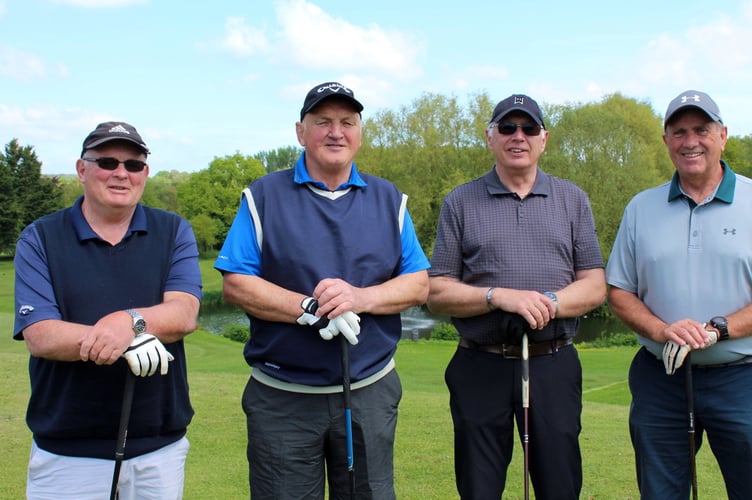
{"x": 25, "y": 194}
{"x": 280, "y": 158}
{"x": 611, "y": 149}
{"x": 427, "y": 149}
{"x": 215, "y": 193}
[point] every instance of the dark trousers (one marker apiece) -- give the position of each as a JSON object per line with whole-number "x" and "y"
{"x": 298, "y": 441}
{"x": 485, "y": 398}
{"x": 659, "y": 424}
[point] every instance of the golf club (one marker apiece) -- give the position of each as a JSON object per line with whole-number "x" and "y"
{"x": 525, "y": 408}
{"x": 348, "y": 418}
{"x": 125, "y": 415}
{"x": 691, "y": 413}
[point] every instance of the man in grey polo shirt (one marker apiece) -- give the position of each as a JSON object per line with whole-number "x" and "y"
{"x": 516, "y": 252}
{"x": 680, "y": 276}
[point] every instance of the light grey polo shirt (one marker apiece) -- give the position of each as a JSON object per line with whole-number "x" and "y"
{"x": 685, "y": 260}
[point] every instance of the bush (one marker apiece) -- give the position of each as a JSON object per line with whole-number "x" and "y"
{"x": 236, "y": 332}
{"x": 613, "y": 340}
{"x": 444, "y": 331}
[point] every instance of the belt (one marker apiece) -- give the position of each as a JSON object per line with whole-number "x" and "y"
{"x": 514, "y": 351}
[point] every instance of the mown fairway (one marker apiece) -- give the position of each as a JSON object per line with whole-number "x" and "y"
{"x": 217, "y": 467}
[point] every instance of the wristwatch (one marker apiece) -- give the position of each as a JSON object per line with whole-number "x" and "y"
{"x": 720, "y": 323}
{"x": 139, "y": 323}
{"x": 554, "y": 299}
{"x": 490, "y": 305}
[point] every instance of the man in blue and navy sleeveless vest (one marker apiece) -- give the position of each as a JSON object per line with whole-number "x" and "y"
{"x": 104, "y": 288}
{"x": 317, "y": 251}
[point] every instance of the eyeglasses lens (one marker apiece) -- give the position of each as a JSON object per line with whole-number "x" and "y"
{"x": 529, "y": 129}
{"x": 109, "y": 163}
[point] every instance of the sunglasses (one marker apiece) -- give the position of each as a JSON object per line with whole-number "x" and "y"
{"x": 530, "y": 129}
{"x": 108, "y": 163}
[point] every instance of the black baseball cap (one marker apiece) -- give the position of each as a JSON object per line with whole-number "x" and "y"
{"x": 518, "y": 102}
{"x": 325, "y": 91}
{"x": 113, "y": 131}
{"x": 693, "y": 99}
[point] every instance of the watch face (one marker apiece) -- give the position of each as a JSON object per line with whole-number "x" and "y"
{"x": 139, "y": 325}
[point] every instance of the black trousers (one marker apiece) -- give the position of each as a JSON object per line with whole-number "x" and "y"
{"x": 486, "y": 398}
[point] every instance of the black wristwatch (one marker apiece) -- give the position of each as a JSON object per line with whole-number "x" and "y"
{"x": 720, "y": 323}
{"x": 139, "y": 323}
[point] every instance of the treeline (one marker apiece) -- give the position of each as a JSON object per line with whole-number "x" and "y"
{"x": 612, "y": 149}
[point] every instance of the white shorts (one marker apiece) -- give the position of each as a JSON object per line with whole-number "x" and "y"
{"x": 158, "y": 475}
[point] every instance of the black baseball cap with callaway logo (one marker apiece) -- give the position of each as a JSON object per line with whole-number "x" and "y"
{"x": 113, "y": 131}
{"x": 325, "y": 91}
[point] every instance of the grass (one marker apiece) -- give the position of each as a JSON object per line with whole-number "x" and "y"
{"x": 217, "y": 468}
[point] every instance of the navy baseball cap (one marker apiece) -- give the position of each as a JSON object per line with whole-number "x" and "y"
{"x": 518, "y": 102}
{"x": 693, "y": 99}
{"x": 325, "y": 91}
{"x": 113, "y": 131}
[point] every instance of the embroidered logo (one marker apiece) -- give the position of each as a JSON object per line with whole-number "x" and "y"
{"x": 334, "y": 88}
{"x": 25, "y": 310}
{"x": 519, "y": 100}
{"x": 118, "y": 129}
{"x": 686, "y": 98}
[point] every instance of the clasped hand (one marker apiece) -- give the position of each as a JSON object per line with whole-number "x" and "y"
{"x": 145, "y": 354}
{"x": 347, "y": 323}
{"x": 675, "y": 354}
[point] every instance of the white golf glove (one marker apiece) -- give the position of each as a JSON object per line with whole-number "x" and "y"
{"x": 347, "y": 323}
{"x": 145, "y": 354}
{"x": 674, "y": 354}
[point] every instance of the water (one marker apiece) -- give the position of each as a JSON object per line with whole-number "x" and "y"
{"x": 417, "y": 323}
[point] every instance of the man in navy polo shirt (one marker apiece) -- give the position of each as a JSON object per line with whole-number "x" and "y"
{"x": 317, "y": 251}
{"x": 516, "y": 252}
{"x": 679, "y": 276}
{"x": 105, "y": 279}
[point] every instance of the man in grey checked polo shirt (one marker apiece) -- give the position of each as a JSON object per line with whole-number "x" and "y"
{"x": 516, "y": 252}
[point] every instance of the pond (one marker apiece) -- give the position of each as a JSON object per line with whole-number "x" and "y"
{"x": 417, "y": 323}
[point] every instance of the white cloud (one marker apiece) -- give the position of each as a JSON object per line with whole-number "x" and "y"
{"x": 20, "y": 65}
{"x": 241, "y": 39}
{"x": 312, "y": 38}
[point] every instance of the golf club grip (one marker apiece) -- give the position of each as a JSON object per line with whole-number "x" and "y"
{"x": 525, "y": 373}
{"x": 125, "y": 414}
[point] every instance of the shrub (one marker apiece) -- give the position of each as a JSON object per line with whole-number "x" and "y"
{"x": 236, "y": 332}
{"x": 613, "y": 340}
{"x": 444, "y": 331}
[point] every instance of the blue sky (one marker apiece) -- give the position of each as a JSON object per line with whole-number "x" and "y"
{"x": 207, "y": 79}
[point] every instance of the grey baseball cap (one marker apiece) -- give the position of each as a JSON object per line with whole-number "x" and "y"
{"x": 693, "y": 99}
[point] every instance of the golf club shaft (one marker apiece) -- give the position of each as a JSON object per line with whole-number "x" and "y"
{"x": 348, "y": 416}
{"x": 688, "y": 386}
{"x": 125, "y": 415}
{"x": 525, "y": 408}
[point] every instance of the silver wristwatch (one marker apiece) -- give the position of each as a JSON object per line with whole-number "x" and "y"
{"x": 139, "y": 323}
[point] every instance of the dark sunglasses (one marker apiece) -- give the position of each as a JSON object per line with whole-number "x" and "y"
{"x": 108, "y": 163}
{"x": 530, "y": 129}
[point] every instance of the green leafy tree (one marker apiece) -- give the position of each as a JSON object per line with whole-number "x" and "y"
{"x": 25, "y": 194}
{"x": 215, "y": 192}
{"x": 280, "y": 158}
{"x": 427, "y": 149}
{"x": 611, "y": 149}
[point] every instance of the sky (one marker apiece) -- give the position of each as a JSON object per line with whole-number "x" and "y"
{"x": 202, "y": 80}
